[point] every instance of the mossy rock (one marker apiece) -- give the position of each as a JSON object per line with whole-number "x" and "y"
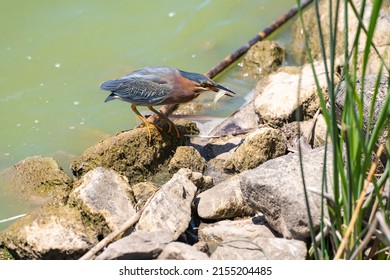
{"x": 37, "y": 180}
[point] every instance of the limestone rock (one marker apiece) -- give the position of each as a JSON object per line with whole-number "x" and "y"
{"x": 181, "y": 251}
{"x": 226, "y": 230}
{"x": 200, "y": 181}
{"x": 223, "y": 201}
{"x": 315, "y": 133}
{"x": 368, "y": 97}
{"x": 49, "y": 233}
{"x": 263, "y": 58}
{"x": 187, "y": 157}
{"x": 221, "y": 145}
{"x": 105, "y": 198}
{"x": 139, "y": 245}
{"x": 275, "y": 188}
{"x": 37, "y": 180}
{"x": 289, "y": 96}
{"x": 129, "y": 153}
{"x": 143, "y": 191}
{"x": 243, "y": 120}
{"x": 381, "y": 37}
{"x": 259, "y": 146}
{"x": 170, "y": 208}
{"x": 261, "y": 248}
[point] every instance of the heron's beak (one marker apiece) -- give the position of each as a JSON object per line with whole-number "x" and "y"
{"x": 216, "y": 87}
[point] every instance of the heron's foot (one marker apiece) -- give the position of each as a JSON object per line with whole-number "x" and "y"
{"x": 151, "y": 126}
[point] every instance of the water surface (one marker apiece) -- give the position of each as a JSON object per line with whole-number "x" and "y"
{"x": 54, "y": 55}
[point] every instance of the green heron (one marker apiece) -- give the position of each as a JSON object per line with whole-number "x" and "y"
{"x": 153, "y": 86}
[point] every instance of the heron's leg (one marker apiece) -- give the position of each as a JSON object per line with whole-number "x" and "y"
{"x": 142, "y": 118}
{"x": 167, "y": 120}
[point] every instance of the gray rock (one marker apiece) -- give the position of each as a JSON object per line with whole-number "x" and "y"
{"x": 140, "y": 245}
{"x": 263, "y": 58}
{"x": 200, "y": 181}
{"x": 142, "y": 192}
{"x": 275, "y": 188}
{"x": 243, "y": 120}
{"x": 223, "y": 201}
{"x": 226, "y": 230}
{"x": 277, "y": 100}
{"x": 49, "y": 233}
{"x": 314, "y": 134}
{"x": 181, "y": 251}
{"x": 368, "y": 97}
{"x": 259, "y": 146}
{"x": 170, "y": 208}
{"x": 187, "y": 157}
{"x": 216, "y": 169}
{"x": 381, "y": 38}
{"x": 221, "y": 145}
{"x": 261, "y": 248}
{"x": 38, "y": 181}
{"x": 104, "y": 197}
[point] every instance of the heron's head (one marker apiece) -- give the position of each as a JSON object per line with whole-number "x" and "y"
{"x": 204, "y": 82}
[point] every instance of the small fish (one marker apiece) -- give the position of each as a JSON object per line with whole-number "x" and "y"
{"x": 219, "y": 96}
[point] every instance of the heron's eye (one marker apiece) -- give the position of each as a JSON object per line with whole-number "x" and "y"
{"x": 206, "y": 84}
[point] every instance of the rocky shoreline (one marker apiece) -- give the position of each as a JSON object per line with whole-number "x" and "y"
{"x": 236, "y": 196}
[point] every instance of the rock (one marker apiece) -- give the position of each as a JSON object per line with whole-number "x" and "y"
{"x": 261, "y": 145}
{"x": 308, "y": 129}
{"x": 128, "y": 153}
{"x": 218, "y": 146}
{"x": 200, "y": 181}
{"x": 216, "y": 169}
{"x": 143, "y": 191}
{"x": 181, "y": 251}
{"x": 170, "y": 208}
{"x": 217, "y": 152}
{"x": 38, "y": 181}
{"x": 187, "y": 126}
{"x": 187, "y": 157}
{"x": 368, "y": 97}
{"x": 275, "y": 188}
{"x": 201, "y": 246}
{"x": 381, "y": 37}
{"x": 243, "y": 120}
{"x": 223, "y": 201}
{"x": 261, "y": 248}
{"x": 104, "y": 198}
{"x": 49, "y": 233}
{"x": 290, "y": 95}
{"x": 226, "y": 231}
{"x": 139, "y": 245}
{"x": 263, "y": 58}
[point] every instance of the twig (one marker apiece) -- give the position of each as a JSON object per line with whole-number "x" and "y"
{"x": 359, "y": 205}
{"x": 12, "y": 218}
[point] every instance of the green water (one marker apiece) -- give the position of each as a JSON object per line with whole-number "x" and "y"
{"x": 54, "y": 55}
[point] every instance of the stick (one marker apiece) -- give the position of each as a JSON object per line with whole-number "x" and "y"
{"x": 12, "y": 218}
{"x": 228, "y": 60}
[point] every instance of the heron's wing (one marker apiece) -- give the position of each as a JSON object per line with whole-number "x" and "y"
{"x": 138, "y": 90}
